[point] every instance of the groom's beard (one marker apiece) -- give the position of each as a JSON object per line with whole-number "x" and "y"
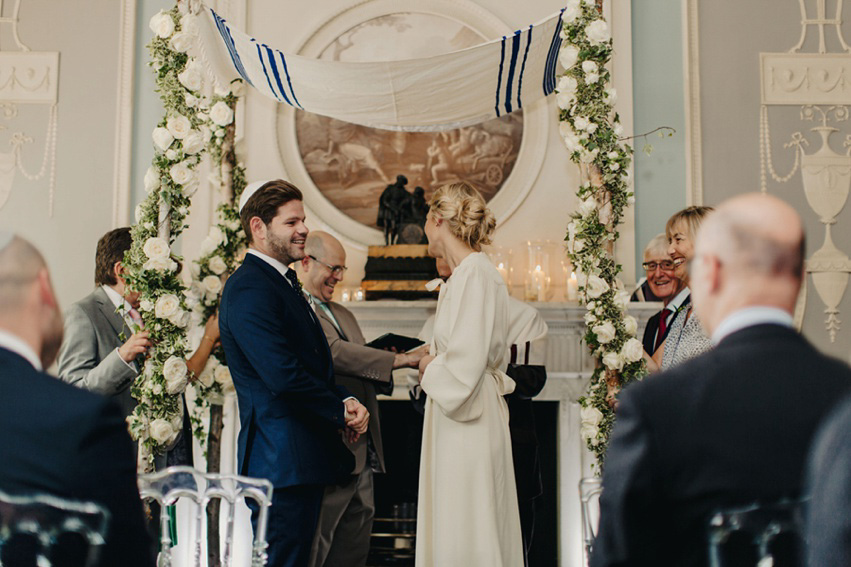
{"x": 285, "y": 251}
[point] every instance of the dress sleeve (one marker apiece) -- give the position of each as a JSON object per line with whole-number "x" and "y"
{"x": 453, "y": 379}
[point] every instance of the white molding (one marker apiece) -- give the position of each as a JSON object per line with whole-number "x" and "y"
{"x": 691, "y": 73}
{"x": 536, "y": 121}
{"x": 124, "y": 115}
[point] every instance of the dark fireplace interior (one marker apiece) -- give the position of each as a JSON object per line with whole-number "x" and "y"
{"x": 396, "y": 491}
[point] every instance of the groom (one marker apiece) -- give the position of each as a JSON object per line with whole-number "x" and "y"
{"x": 291, "y": 413}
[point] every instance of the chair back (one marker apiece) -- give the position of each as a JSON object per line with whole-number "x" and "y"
{"x": 46, "y": 530}
{"x": 763, "y": 535}
{"x": 589, "y": 497}
{"x": 172, "y": 484}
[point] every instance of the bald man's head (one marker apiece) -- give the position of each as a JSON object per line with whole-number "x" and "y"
{"x": 749, "y": 252}
{"x": 20, "y": 264}
{"x": 323, "y": 264}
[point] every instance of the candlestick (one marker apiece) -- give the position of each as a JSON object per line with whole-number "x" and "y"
{"x": 572, "y": 287}
{"x": 539, "y": 278}
{"x": 346, "y": 296}
{"x": 503, "y": 271}
{"x": 359, "y": 295}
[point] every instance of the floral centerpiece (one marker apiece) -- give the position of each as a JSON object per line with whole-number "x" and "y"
{"x": 592, "y": 133}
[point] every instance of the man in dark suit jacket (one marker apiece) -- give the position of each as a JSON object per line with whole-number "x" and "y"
{"x": 348, "y": 508}
{"x": 291, "y": 413}
{"x": 733, "y": 426}
{"x": 664, "y": 286}
{"x": 56, "y": 439}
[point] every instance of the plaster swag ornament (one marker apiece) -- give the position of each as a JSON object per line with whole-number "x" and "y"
{"x": 27, "y": 77}
{"x": 821, "y": 84}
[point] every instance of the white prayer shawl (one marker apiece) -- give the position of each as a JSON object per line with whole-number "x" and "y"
{"x": 435, "y": 93}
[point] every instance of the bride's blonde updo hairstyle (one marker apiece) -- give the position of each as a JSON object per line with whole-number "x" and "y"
{"x": 464, "y": 210}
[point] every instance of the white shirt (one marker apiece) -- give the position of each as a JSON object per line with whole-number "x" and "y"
{"x": 674, "y": 305}
{"x": 749, "y": 317}
{"x": 123, "y": 307}
{"x": 18, "y": 346}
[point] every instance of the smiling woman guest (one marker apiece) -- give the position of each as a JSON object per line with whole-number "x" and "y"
{"x": 686, "y": 338}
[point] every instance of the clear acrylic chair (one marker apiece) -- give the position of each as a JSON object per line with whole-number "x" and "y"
{"x": 46, "y": 530}
{"x": 172, "y": 484}
{"x": 589, "y": 494}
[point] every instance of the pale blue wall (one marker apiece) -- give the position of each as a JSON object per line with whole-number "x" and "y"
{"x": 658, "y": 100}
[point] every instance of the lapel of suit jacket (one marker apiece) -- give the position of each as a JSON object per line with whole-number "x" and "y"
{"x": 335, "y": 322}
{"x": 107, "y": 308}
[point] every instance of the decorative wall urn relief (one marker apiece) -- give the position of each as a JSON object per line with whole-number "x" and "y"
{"x": 821, "y": 84}
{"x": 27, "y": 77}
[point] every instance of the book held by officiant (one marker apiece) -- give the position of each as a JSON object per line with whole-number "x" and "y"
{"x": 398, "y": 343}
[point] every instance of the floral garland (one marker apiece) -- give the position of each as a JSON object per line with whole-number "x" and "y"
{"x": 591, "y": 131}
{"x": 151, "y": 267}
{"x": 221, "y": 253}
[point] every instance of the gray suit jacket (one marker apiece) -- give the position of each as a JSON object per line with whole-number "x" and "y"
{"x": 88, "y": 357}
{"x": 359, "y": 369}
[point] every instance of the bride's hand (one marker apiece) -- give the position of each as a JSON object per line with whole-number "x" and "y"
{"x": 424, "y": 362}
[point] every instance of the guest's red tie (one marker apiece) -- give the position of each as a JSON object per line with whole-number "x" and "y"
{"x": 136, "y": 317}
{"x": 663, "y": 325}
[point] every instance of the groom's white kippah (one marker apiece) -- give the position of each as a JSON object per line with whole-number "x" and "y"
{"x": 6, "y": 238}
{"x": 250, "y": 190}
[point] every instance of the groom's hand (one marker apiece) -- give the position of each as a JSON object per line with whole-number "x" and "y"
{"x": 357, "y": 418}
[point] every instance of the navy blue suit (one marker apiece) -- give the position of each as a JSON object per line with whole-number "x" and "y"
{"x": 290, "y": 411}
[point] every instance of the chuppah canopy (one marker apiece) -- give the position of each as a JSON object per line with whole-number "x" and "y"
{"x": 435, "y": 93}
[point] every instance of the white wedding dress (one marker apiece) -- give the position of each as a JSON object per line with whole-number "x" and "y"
{"x": 467, "y": 511}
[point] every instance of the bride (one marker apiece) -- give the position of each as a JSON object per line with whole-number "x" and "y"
{"x": 467, "y": 512}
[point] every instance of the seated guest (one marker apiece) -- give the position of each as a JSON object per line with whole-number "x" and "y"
{"x": 732, "y": 426}
{"x": 348, "y": 508}
{"x": 685, "y": 337}
{"x": 662, "y": 285}
{"x": 56, "y": 439}
{"x": 828, "y": 532}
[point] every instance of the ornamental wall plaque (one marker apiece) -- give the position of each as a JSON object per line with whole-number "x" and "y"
{"x": 820, "y": 83}
{"x": 27, "y": 77}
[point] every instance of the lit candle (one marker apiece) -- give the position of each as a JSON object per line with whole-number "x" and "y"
{"x": 503, "y": 272}
{"x": 346, "y": 296}
{"x": 572, "y": 287}
{"x": 359, "y": 295}
{"x": 539, "y": 279}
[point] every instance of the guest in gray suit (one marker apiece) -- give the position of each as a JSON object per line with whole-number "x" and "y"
{"x": 345, "y": 520}
{"x": 103, "y": 335}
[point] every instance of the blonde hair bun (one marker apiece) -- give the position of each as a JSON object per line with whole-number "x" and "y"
{"x": 463, "y": 208}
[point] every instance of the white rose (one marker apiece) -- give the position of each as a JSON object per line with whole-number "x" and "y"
{"x": 216, "y": 236}
{"x": 587, "y": 207}
{"x": 146, "y": 305}
{"x": 597, "y": 32}
{"x": 580, "y": 123}
{"x": 156, "y": 247}
{"x": 137, "y": 213}
{"x": 590, "y": 318}
{"x": 589, "y": 433}
{"x": 618, "y": 129}
{"x": 565, "y": 100}
{"x": 614, "y": 166}
{"x": 237, "y": 88}
{"x": 179, "y": 126}
{"x": 591, "y": 127}
{"x": 162, "y": 138}
{"x": 592, "y": 78}
{"x": 157, "y": 389}
{"x": 589, "y": 415}
{"x": 174, "y": 372}
{"x": 161, "y": 431}
{"x": 613, "y": 361}
{"x": 171, "y": 154}
{"x": 222, "y": 374}
{"x": 167, "y": 306}
{"x": 632, "y": 350}
{"x": 217, "y": 265}
{"x": 180, "y": 319}
{"x": 572, "y": 12}
{"x": 605, "y": 332}
{"x": 221, "y": 114}
{"x": 630, "y": 325}
{"x": 622, "y": 299}
{"x": 181, "y": 174}
{"x": 589, "y": 67}
{"x": 180, "y": 42}
{"x": 611, "y": 95}
{"x": 162, "y": 24}
{"x": 193, "y": 142}
{"x": 191, "y": 78}
{"x": 566, "y": 85}
{"x": 158, "y": 265}
{"x": 578, "y": 245}
{"x": 206, "y": 377}
{"x": 212, "y": 285}
{"x": 568, "y": 56}
{"x": 152, "y": 179}
{"x": 571, "y": 142}
{"x": 596, "y": 287}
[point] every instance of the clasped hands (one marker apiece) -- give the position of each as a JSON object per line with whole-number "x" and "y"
{"x": 357, "y": 419}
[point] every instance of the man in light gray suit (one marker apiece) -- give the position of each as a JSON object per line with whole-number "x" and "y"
{"x": 345, "y": 520}
{"x": 103, "y": 335}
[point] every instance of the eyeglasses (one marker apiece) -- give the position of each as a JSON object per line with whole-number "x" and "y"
{"x": 337, "y": 271}
{"x": 664, "y": 264}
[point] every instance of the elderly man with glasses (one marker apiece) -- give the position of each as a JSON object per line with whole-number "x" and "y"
{"x": 345, "y": 520}
{"x": 664, "y": 286}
